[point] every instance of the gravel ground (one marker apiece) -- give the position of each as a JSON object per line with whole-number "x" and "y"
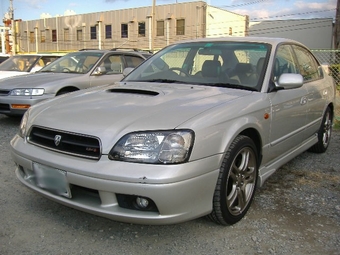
{"x": 297, "y": 211}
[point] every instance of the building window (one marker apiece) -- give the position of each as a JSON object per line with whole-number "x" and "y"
{"x": 79, "y": 34}
{"x": 141, "y": 29}
{"x": 66, "y": 34}
{"x": 230, "y": 31}
{"x": 54, "y": 35}
{"x": 180, "y": 25}
{"x": 42, "y": 36}
{"x": 93, "y": 32}
{"x": 124, "y": 30}
{"x": 160, "y": 28}
{"x": 31, "y": 37}
{"x": 108, "y": 31}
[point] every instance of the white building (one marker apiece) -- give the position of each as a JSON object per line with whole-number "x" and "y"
{"x": 130, "y": 28}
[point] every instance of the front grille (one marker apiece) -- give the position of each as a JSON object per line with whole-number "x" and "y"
{"x": 4, "y": 92}
{"x": 66, "y": 142}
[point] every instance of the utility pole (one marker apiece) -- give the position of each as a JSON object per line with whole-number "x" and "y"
{"x": 153, "y": 31}
{"x": 11, "y": 11}
{"x": 337, "y": 27}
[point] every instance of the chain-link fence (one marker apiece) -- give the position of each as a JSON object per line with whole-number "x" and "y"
{"x": 331, "y": 58}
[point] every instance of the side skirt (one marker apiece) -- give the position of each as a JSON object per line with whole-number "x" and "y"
{"x": 268, "y": 170}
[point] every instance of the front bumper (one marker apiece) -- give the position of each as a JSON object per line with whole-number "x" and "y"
{"x": 178, "y": 193}
{"x": 6, "y": 103}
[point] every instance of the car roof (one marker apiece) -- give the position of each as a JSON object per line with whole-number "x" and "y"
{"x": 125, "y": 50}
{"x": 41, "y": 54}
{"x": 270, "y": 40}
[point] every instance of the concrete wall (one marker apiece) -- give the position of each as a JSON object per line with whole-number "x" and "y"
{"x": 314, "y": 33}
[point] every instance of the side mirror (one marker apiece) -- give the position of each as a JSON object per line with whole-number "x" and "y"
{"x": 127, "y": 70}
{"x": 289, "y": 81}
{"x": 100, "y": 70}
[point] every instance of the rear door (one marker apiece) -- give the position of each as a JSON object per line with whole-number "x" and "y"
{"x": 316, "y": 86}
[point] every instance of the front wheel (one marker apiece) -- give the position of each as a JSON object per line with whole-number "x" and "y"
{"x": 236, "y": 182}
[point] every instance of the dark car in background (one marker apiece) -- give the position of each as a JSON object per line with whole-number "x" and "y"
{"x": 3, "y": 57}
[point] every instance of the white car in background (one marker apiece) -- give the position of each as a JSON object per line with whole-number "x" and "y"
{"x": 77, "y": 70}
{"x": 25, "y": 64}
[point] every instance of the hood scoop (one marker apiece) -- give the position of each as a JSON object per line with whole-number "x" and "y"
{"x": 133, "y": 91}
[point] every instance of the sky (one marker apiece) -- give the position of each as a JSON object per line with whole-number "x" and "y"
{"x": 256, "y": 9}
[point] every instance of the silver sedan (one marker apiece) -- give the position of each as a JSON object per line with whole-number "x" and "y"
{"x": 190, "y": 132}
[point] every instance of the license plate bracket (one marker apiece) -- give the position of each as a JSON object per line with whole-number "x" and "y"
{"x": 52, "y": 179}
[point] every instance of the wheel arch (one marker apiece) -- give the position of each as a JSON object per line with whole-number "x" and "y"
{"x": 331, "y": 107}
{"x": 66, "y": 89}
{"x": 253, "y": 134}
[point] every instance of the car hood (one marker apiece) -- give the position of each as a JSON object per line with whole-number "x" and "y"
{"x": 109, "y": 112}
{"x": 35, "y": 80}
{"x": 6, "y": 74}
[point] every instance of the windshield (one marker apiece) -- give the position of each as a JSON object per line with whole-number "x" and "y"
{"x": 222, "y": 63}
{"x": 77, "y": 62}
{"x": 19, "y": 63}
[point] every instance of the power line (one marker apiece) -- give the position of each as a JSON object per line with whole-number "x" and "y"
{"x": 294, "y": 14}
{"x": 243, "y": 4}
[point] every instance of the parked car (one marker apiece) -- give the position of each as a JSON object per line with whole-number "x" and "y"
{"x": 190, "y": 132}
{"x": 25, "y": 64}
{"x": 74, "y": 71}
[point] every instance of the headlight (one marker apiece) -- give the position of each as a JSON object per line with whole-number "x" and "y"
{"x": 23, "y": 124}
{"x": 27, "y": 92}
{"x": 154, "y": 147}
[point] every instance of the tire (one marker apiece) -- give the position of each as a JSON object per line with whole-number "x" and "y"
{"x": 324, "y": 133}
{"x": 63, "y": 92}
{"x": 236, "y": 182}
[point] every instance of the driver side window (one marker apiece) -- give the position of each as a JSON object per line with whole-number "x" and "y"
{"x": 284, "y": 61}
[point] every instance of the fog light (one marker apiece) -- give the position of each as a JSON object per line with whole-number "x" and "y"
{"x": 142, "y": 202}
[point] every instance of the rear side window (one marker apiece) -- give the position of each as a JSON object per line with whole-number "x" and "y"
{"x": 307, "y": 64}
{"x": 133, "y": 61}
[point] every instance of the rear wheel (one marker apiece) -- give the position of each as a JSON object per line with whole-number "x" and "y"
{"x": 324, "y": 133}
{"x": 236, "y": 182}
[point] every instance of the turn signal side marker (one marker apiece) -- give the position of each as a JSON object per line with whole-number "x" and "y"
{"x": 266, "y": 116}
{"x": 20, "y": 106}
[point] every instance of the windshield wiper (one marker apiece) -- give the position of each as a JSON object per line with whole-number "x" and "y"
{"x": 163, "y": 81}
{"x": 233, "y": 86}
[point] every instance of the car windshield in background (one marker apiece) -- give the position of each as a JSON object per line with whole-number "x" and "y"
{"x": 78, "y": 62}
{"x": 223, "y": 64}
{"x": 19, "y": 63}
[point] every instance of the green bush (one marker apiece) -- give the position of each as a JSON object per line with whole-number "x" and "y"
{"x": 336, "y": 125}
